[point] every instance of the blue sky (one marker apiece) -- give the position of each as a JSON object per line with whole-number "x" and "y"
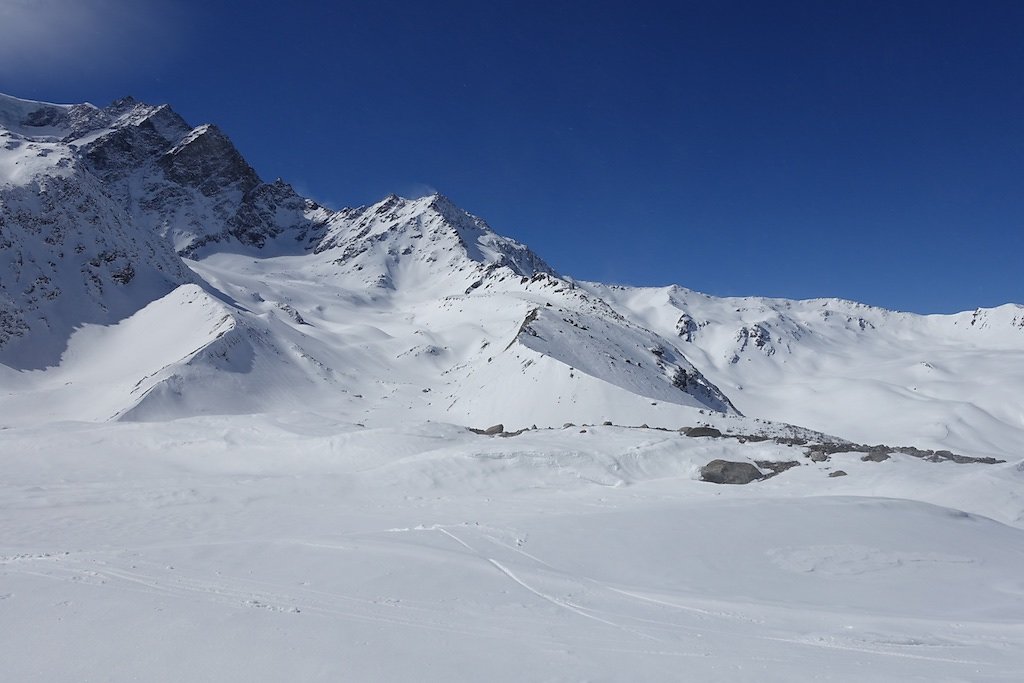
{"x": 865, "y": 150}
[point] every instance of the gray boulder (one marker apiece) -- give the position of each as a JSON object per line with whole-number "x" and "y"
{"x": 875, "y": 456}
{"x": 495, "y": 429}
{"x": 837, "y": 473}
{"x": 728, "y": 472}
{"x": 703, "y": 431}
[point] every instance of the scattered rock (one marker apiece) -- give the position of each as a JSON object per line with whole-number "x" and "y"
{"x": 818, "y": 456}
{"x": 829, "y": 448}
{"x": 776, "y": 467}
{"x": 965, "y": 460}
{"x": 875, "y": 456}
{"x": 837, "y": 473}
{"x": 703, "y": 431}
{"x": 728, "y": 472}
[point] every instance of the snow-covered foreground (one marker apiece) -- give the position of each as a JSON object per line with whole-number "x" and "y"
{"x": 299, "y": 548}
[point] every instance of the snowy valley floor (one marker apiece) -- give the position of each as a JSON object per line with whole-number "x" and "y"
{"x": 299, "y": 548}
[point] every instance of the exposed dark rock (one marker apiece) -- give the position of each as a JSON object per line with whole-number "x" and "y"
{"x": 829, "y": 448}
{"x": 607, "y": 423}
{"x": 703, "y": 431}
{"x": 496, "y": 430}
{"x": 686, "y": 326}
{"x": 819, "y": 452}
{"x": 206, "y": 159}
{"x": 776, "y": 467}
{"x": 837, "y": 473}
{"x": 729, "y": 472}
{"x": 964, "y": 460}
{"x": 875, "y": 456}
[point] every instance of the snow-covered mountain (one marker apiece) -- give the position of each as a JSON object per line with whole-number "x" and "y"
{"x": 412, "y": 301}
{"x": 70, "y": 252}
{"x": 945, "y": 381}
{"x": 148, "y": 272}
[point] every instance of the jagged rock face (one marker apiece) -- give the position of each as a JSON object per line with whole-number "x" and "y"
{"x": 192, "y": 185}
{"x": 68, "y": 256}
{"x": 130, "y": 140}
{"x": 206, "y": 160}
{"x": 272, "y": 210}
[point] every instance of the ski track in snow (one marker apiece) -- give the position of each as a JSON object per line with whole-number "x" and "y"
{"x": 610, "y": 582}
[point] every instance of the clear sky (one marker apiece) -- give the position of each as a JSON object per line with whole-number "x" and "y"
{"x": 866, "y": 150}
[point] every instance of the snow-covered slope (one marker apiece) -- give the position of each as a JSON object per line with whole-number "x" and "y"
{"x": 942, "y": 381}
{"x": 297, "y": 546}
{"x": 433, "y": 331}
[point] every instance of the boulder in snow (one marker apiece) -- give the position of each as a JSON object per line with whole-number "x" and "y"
{"x": 729, "y": 472}
{"x": 703, "y": 431}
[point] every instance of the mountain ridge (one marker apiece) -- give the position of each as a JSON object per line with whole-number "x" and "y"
{"x": 419, "y": 302}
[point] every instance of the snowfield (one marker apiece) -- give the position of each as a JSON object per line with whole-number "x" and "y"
{"x": 246, "y": 437}
{"x": 273, "y": 547}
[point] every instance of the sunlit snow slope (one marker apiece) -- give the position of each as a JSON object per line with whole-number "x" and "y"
{"x": 943, "y": 381}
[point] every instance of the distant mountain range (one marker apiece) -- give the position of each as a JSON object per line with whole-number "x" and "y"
{"x": 148, "y": 273}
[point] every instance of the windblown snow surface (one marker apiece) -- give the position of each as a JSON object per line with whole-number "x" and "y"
{"x": 235, "y": 446}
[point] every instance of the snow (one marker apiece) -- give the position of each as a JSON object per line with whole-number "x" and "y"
{"x": 297, "y": 546}
{"x": 253, "y": 463}
{"x": 864, "y": 373}
{"x": 16, "y": 113}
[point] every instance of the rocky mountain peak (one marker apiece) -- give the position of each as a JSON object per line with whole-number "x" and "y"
{"x": 431, "y": 231}
{"x": 188, "y": 184}
{"x": 206, "y": 159}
